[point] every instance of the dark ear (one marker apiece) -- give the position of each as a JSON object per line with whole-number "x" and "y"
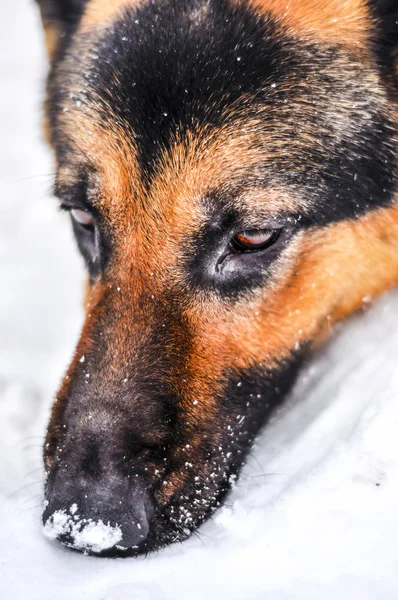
{"x": 385, "y": 14}
{"x": 60, "y": 18}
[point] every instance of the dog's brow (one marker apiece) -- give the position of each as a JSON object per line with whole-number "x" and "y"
{"x": 73, "y": 191}
{"x": 256, "y": 198}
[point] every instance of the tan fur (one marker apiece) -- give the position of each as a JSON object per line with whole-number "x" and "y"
{"x": 101, "y": 12}
{"x": 51, "y": 32}
{"x": 344, "y": 22}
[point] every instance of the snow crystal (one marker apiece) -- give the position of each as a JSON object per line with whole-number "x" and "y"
{"x": 57, "y": 524}
{"x": 97, "y": 536}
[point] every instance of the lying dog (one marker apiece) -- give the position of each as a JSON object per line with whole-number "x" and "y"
{"x": 230, "y": 171}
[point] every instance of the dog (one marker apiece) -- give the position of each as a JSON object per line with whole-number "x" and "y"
{"x": 230, "y": 171}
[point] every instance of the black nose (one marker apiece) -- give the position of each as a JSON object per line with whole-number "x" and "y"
{"x": 109, "y": 515}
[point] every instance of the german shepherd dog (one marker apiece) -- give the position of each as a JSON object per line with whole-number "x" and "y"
{"x": 230, "y": 170}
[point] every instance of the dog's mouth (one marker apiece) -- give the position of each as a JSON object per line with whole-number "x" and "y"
{"x": 113, "y": 492}
{"x": 119, "y": 515}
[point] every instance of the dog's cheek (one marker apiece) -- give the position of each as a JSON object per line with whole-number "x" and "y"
{"x": 339, "y": 270}
{"x": 211, "y": 458}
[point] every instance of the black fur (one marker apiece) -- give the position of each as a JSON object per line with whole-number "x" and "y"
{"x": 163, "y": 75}
{"x": 65, "y": 16}
{"x": 385, "y": 39}
{"x": 63, "y": 12}
{"x": 175, "y": 74}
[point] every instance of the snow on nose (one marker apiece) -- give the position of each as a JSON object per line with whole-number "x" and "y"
{"x": 82, "y": 534}
{"x": 97, "y": 515}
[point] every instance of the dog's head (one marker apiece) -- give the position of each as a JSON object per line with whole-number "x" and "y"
{"x": 230, "y": 170}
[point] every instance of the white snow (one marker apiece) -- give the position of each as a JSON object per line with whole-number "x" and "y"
{"x": 59, "y": 523}
{"x": 314, "y": 514}
{"x": 86, "y": 534}
{"x": 97, "y": 536}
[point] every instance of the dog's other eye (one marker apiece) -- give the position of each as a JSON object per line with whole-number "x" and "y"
{"x": 254, "y": 240}
{"x": 87, "y": 234}
{"x": 82, "y": 217}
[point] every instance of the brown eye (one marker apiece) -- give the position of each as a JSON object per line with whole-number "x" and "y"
{"x": 82, "y": 217}
{"x": 254, "y": 240}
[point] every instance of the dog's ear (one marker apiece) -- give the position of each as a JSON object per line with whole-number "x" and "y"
{"x": 386, "y": 41}
{"x": 60, "y": 18}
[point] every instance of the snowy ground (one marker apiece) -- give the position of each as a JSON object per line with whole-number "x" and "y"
{"x": 314, "y": 515}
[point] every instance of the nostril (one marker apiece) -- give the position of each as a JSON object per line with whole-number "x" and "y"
{"x": 91, "y": 461}
{"x": 100, "y": 518}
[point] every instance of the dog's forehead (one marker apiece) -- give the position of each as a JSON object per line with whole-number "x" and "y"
{"x": 346, "y": 22}
{"x": 212, "y": 95}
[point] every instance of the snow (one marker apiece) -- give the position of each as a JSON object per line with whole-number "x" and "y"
{"x": 314, "y": 514}
{"x": 85, "y": 533}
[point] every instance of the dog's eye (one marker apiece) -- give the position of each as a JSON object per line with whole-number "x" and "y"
{"x": 87, "y": 234}
{"x": 82, "y": 217}
{"x": 254, "y": 240}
